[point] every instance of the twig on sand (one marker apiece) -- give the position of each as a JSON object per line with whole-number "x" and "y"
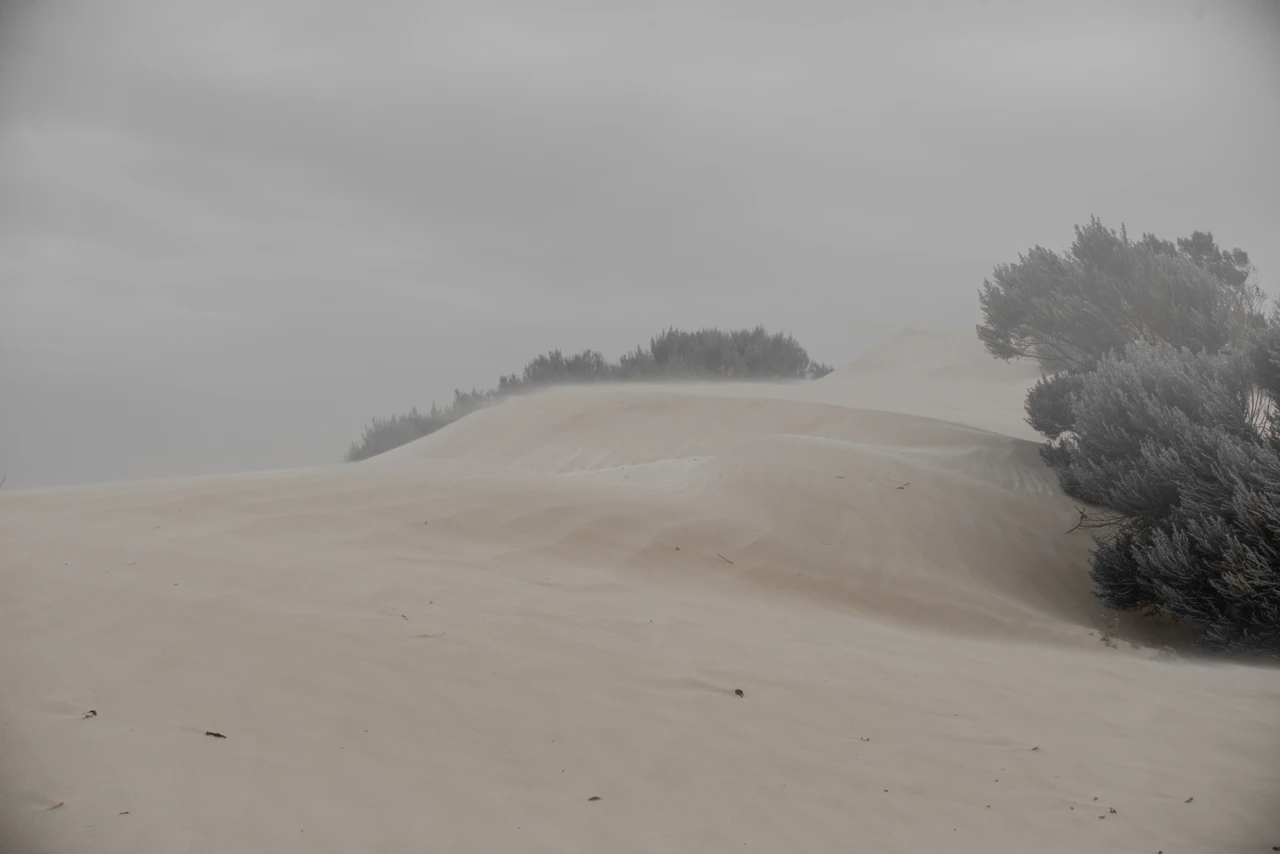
{"x": 56, "y": 806}
{"x": 214, "y": 734}
{"x": 432, "y": 636}
{"x": 723, "y": 558}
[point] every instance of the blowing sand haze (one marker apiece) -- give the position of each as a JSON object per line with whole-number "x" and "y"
{"x": 827, "y": 617}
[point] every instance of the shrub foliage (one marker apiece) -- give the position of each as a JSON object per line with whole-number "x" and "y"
{"x": 716, "y": 353}
{"x": 1107, "y": 292}
{"x": 1157, "y": 404}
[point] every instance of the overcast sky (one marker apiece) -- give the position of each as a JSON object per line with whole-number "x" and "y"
{"x": 232, "y": 230}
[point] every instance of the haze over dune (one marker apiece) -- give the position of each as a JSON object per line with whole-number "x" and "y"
{"x": 232, "y": 232}
{"x": 462, "y": 644}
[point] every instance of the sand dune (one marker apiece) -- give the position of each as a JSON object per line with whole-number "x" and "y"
{"x": 456, "y": 645}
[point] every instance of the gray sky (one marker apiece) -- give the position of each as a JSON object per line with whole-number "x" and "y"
{"x": 232, "y": 231}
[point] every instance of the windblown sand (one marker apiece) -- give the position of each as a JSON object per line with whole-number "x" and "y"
{"x": 461, "y": 645}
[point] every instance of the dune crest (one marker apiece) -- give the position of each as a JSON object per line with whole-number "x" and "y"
{"x": 944, "y": 375}
{"x": 689, "y": 617}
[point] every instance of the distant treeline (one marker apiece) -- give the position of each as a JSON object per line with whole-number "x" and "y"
{"x": 673, "y": 354}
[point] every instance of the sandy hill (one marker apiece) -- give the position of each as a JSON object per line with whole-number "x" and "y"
{"x": 460, "y": 645}
{"x": 946, "y": 375}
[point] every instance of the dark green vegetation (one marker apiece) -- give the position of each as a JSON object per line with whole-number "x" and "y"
{"x": 673, "y": 354}
{"x": 1158, "y": 405}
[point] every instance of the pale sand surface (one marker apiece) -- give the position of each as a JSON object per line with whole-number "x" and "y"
{"x": 454, "y": 646}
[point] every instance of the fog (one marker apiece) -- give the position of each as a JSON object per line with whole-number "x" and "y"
{"x": 232, "y": 232}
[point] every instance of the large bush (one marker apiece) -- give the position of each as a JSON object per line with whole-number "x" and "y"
{"x": 1157, "y": 403}
{"x": 1106, "y": 292}
{"x": 712, "y": 353}
{"x": 1180, "y": 448}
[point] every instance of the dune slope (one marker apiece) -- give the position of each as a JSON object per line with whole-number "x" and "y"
{"x": 456, "y": 646}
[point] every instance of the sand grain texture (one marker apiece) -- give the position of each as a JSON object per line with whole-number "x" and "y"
{"x": 455, "y": 646}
